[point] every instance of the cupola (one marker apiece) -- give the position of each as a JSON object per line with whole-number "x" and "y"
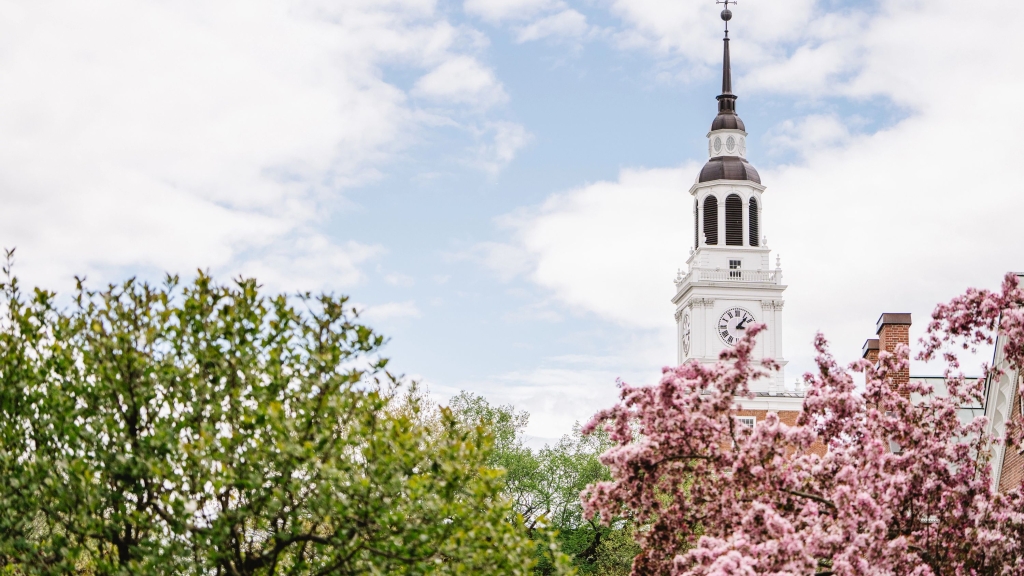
{"x": 727, "y": 140}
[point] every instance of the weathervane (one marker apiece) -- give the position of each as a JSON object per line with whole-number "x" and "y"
{"x": 726, "y": 14}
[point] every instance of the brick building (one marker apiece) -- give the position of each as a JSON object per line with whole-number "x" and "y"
{"x": 893, "y": 329}
{"x": 1003, "y": 400}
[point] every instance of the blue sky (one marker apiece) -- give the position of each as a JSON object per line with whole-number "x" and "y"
{"x": 502, "y": 184}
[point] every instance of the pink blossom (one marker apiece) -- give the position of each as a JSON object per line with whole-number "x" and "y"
{"x": 716, "y": 498}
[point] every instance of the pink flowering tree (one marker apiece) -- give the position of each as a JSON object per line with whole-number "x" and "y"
{"x": 865, "y": 483}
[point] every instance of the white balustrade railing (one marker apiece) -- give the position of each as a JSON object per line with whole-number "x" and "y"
{"x": 727, "y": 275}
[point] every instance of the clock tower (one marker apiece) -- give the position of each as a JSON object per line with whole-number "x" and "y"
{"x": 730, "y": 282}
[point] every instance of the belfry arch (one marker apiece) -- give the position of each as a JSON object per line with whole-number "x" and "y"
{"x": 711, "y": 221}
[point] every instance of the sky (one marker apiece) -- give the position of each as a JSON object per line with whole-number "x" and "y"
{"x": 502, "y": 185}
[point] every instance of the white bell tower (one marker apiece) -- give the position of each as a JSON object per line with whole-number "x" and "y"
{"x": 730, "y": 281}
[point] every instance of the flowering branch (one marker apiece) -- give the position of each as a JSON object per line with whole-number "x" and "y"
{"x": 866, "y": 482}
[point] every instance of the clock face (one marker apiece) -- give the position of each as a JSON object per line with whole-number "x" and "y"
{"x": 733, "y": 324}
{"x": 686, "y": 334}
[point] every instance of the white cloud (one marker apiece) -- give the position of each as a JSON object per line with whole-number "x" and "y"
{"x": 808, "y": 134}
{"x": 789, "y": 45}
{"x": 501, "y": 141}
{"x": 390, "y": 311}
{"x": 309, "y": 261}
{"x": 396, "y": 279}
{"x": 497, "y": 10}
{"x": 565, "y": 24}
{"x": 506, "y": 260}
{"x": 461, "y": 80}
{"x": 509, "y": 138}
{"x": 564, "y": 390}
{"x": 668, "y": 27}
{"x": 800, "y": 48}
{"x": 892, "y": 221}
{"x": 556, "y": 397}
{"x": 190, "y": 134}
{"x": 534, "y": 311}
{"x": 611, "y": 248}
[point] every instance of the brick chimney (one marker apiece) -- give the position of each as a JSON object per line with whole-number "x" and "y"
{"x": 894, "y": 329}
{"x": 870, "y": 350}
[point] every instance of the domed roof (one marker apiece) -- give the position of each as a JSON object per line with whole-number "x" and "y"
{"x": 726, "y": 121}
{"x": 728, "y": 168}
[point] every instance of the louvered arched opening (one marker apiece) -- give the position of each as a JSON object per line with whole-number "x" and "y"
{"x": 733, "y": 221}
{"x": 711, "y": 220}
{"x": 696, "y": 225}
{"x": 755, "y": 230}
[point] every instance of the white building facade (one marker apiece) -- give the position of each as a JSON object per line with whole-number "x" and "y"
{"x": 1004, "y": 402}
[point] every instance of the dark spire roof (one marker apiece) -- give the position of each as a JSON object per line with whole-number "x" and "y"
{"x": 726, "y": 64}
{"x": 728, "y": 168}
{"x": 727, "y": 118}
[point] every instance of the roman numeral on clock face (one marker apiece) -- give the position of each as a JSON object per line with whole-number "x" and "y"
{"x": 733, "y": 323}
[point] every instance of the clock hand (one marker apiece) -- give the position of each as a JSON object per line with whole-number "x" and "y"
{"x": 742, "y": 324}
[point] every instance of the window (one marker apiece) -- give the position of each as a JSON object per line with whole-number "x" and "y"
{"x": 734, "y": 269}
{"x": 746, "y": 425}
{"x": 894, "y": 446}
{"x": 711, "y": 220}
{"x": 696, "y": 226}
{"x": 733, "y": 221}
{"x": 755, "y": 233}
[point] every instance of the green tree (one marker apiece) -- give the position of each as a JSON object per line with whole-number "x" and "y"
{"x": 545, "y": 486}
{"x": 523, "y": 480}
{"x": 211, "y": 429}
{"x": 567, "y": 468}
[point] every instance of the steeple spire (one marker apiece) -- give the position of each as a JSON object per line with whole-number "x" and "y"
{"x": 727, "y": 100}
{"x": 726, "y": 66}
